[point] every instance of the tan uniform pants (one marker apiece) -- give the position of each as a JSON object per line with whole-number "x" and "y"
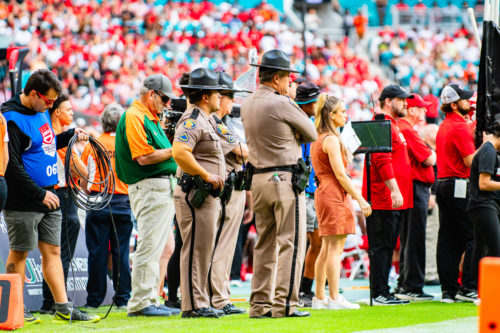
{"x": 225, "y": 244}
{"x": 279, "y": 253}
{"x": 153, "y": 207}
{"x": 198, "y": 227}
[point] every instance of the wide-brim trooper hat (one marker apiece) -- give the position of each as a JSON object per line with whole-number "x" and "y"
{"x": 276, "y": 59}
{"x": 203, "y": 79}
{"x": 227, "y": 84}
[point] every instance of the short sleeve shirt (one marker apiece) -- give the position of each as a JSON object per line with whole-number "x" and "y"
{"x": 228, "y": 142}
{"x": 454, "y": 141}
{"x": 418, "y": 152}
{"x": 195, "y": 130}
{"x": 386, "y": 166}
{"x": 485, "y": 161}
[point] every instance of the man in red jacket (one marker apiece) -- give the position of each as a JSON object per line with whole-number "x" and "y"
{"x": 391, "y": 196}
{"x": 412, "y": 235}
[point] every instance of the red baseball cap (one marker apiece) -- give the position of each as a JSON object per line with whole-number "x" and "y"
{"x": 417, "y": 101}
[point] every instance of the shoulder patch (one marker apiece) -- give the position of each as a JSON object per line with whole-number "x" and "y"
{"x": 221, "y": 129}
{"x": 231, "y": 139}
{"x": 184, "y": 137}
{"x": 189, "y": 124}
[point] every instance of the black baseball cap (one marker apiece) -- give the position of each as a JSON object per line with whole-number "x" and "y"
{"x": 307, "y": 93}
{"x": 394, "y": 91}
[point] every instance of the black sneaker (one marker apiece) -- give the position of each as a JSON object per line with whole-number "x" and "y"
{"x": 448, "y": 298}
{"x": 467, "y": 295}
{"x": 47, "y": 309}
{"x": 200, "y": 313}
{"x": 29, "y": 318}
{"x": 219, "y": 312}
{"x": 414, "y": 296}
{"x": 67, "y": 313}
{"x": 305, "y": 299}
{"x": 230, "y": 309}
{"x": 388, "y": 300}
{"x": 432, "y": 283}
{"x": 173, "y": 304}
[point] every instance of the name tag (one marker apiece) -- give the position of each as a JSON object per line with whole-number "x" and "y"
{"x": 460, "y": 188}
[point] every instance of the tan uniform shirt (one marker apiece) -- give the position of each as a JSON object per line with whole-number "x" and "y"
{"x": 199, "y": 134}
{"x": 228, "y": 143}
{"x": 271, "y": 122}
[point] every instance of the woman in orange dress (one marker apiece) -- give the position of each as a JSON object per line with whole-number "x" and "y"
{"x": 333, "y": 201}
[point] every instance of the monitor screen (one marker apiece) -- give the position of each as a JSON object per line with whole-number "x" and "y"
{"x": 375, "y": 136}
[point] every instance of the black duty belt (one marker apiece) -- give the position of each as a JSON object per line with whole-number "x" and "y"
{"x": 451, "y": 179}
{"x": 288, "y": 168}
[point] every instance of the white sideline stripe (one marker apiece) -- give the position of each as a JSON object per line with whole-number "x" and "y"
{"x": 469, "y": 324}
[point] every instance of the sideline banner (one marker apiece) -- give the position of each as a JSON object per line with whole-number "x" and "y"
{"x": 33, "y": 279}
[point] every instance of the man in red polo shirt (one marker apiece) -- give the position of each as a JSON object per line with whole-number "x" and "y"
{"x": 412, "y": 235}
{"x": 455, "y": 150}
{"x": 391, "y": 196}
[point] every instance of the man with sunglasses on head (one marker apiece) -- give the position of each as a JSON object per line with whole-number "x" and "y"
{"x": 144, "y": 162}
{"x": 32, "y": 211}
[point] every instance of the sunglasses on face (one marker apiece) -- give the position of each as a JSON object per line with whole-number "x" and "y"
{"x": 45, "y": 99}
{"x": 230, "y": 95}
{"x": 164, "y": 98}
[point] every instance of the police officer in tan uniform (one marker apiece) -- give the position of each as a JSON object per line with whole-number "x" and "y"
{"x": 232, "y": 200}
{"x": 201, "y": 173}
{"x": 275, "y": 127}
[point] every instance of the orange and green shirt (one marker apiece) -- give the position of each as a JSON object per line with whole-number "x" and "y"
{"x": 108, "y": 141}
{"x": 139, "y": 133}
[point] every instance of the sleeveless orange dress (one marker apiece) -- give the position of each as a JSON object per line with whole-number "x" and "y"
{"x": 334, "y": 208}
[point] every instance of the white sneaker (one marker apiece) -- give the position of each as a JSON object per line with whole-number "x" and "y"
{"x": 319, "y": 304}
{"x": 235, "y": 283}
{"x": 341, "y": 303}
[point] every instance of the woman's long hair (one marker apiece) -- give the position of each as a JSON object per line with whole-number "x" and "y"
{"x": 323, "y": 122}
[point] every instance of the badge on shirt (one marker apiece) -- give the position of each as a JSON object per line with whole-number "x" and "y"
{"x": 231, "y": 139}
{"x": 184, "y": 137}
{"x": 221, "y": 129}
{"x": 189, "y": 124}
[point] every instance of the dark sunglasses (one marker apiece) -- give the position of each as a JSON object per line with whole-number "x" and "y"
{"x": 164, "y": 98}
{"x": 45, "y": 99}
{"x": 230, "y": 95}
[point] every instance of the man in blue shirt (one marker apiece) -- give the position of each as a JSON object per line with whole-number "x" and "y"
{"x": 307, "y": 97}
{"x": 32, "y": 212}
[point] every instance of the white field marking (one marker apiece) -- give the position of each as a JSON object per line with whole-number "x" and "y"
{"x": 469, "y": 324}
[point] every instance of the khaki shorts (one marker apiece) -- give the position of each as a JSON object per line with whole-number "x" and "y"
{"x": 26, "y": 229}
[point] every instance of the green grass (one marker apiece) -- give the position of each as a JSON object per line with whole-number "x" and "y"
{"x": 367, "y": 318}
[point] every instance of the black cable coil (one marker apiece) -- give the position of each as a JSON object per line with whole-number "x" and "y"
{"x": 98, "y": 199}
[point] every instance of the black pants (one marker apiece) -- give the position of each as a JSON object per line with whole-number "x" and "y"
{"x": 412, "y": 239}
{"x": 98, "y": 235}
{"x": 3, "y": 192}
{"x": 70, "y": 227}
{"x": 238, "y": 252}
{"x": 454, "y": 238}
{"x": 173, "y": 268}
{"x": 383, "y": 230}
{"x": 486, "y": 226}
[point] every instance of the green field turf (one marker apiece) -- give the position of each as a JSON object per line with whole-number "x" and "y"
{"x": 367, "y": 318}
